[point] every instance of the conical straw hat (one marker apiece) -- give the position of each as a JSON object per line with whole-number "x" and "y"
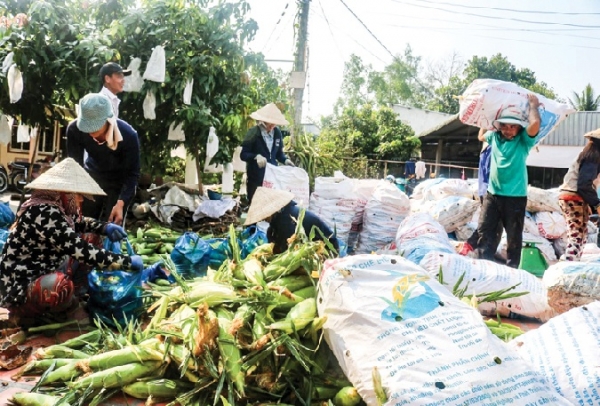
{"x": 67, "y": 176}
{"x": 269, "y": 114}
{"x": 267, "y": 202}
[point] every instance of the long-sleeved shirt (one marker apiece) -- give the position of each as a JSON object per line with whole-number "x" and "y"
{"x": 253, "y": 145}
{"x": 120, "y": 167}
{"x": 38, "y": 244}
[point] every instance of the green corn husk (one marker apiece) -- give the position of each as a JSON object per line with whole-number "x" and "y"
{"x": 160, "y": 388}
{"x": 347, "y": 396}
{"x": 299, "y": 317}
{"x": 116, "y": 377}
{"x": 230, "y": 353}
{"x": 41, "y": 365}
{"x": 204, "y": 291}
{"x": 292, "y": 282}
{"x": 380, "y": 394}
{"x": 60, "y": 351}
{"x": 127, "y": 355}
{"x": 65, "y": 373}
{"x": 252, "y": 270}
{"x": 34, "y": 399}
{"x": 92, "y": 337}
{"x": 290, "y": 260}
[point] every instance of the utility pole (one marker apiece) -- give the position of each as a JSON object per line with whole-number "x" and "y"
{"x": 299, "y": 74}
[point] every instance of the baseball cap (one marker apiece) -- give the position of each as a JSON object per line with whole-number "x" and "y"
{"x": 112, "y": 67}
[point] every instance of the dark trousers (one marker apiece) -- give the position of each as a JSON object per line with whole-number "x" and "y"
{"x": 473, "y": 240}
{"x": 510, "y": 212}
{"x": 101, "y": 206}
{"x": 251, "y": 189}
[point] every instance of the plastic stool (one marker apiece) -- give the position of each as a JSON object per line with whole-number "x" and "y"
{"x": 532, "y": 259}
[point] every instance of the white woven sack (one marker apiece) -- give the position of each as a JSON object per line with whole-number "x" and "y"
{"x": 484, "y": 99}
{"x": 292, "y": 179}
{"x": 363, "y": 188}
{"x": 551, "y": 224}
{"x": 453, "y": 211}
{"x": 447, "y": 188}
{"x": 545, "y": 246}
{"x": 383, "y": 214}
{"x": 134, "y": 82}
{"x": 465, "y": 231}
{"x": 387, "y": 315}
{"x": 571, "y": 284}
{"x": 334, "y": 188}
{"x": 541, "y": 200}
{"x": 156, "y": 67}
{"x": 336, "y": 213}
{"x": 530, "y": 226}
{"x": 421, "y": 188}
{"x": 487, "y": 276}
{"x": 420, "y": 234}
{"x": 565, "y": 352}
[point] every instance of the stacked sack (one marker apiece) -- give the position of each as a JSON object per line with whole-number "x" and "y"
{"x": 384, "y": 212}
{"x": 449, "y": 201}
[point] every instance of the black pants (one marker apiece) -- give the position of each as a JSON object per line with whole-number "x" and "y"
{"x": 510, "y": 212}
{"x": 473, "y": 240}
{"x": 251, "y": 189}
{"x": 101, "y": 206}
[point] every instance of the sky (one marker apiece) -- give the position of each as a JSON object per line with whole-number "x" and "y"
{"x": 558, "y": 40}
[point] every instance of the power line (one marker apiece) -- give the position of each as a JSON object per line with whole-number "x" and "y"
{"x": 275, "y": 26}
{"x": 507, "y": 9}
{"x": 330, "y": 31}
{"x": 495, "y": 17}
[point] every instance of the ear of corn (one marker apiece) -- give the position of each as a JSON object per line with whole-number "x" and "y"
{"x": 130, "y": 354}
{"x": 34, "y": 399}
{"x": 160, "y": 388}
{"x": 230, "y": 353}
{"x": 347, "y": 396}
{"x": 59, "y": 351}
{"x": 299, "y": 317}
{"x": 63, "y": 374}
{"x": 116, "y": 376}
{"x": 380, "y": 394}
{"x": 91, "y": 337}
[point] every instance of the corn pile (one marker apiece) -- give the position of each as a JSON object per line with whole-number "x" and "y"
{"x": 151, "y": 243}
{"x": 247, "y": 333}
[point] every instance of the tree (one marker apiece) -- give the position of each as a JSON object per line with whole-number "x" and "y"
{"x": 366, "y": 133}
{"x": 62, "y": 48}
{"x": 354, "y": 91}
{"x": 587, "y": 101}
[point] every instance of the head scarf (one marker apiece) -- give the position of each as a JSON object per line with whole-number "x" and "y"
{"x": 65, "y": 202}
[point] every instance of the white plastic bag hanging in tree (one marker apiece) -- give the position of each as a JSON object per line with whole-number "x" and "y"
{"x": 176, "y": 132}
{"x": 23, "y": 133}
{"x": 15, "y": 83}
{"x": 5, "y": 129}
{"x": 227, "y": 179}
{"x": 238, "y": 164}
{"x": 8, "y": 62}
{"x": 134, "y": 82}
{"x": 155, "y": 69}
{"x": 187, "y": 92}
{"x": 212, "y": 147}
{"x": 149, "y": 105}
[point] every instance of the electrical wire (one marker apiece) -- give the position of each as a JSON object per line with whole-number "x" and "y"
{"x": 496, "y": 17}
{"x": 330, "y": 31}
{"x": 275, "y": 26}
{"x": 508, "y": 9}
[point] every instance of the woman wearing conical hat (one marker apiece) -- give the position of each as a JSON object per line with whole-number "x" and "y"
{"x": 282, "y": 213}
{"x": 46, "y": 231}
{"x": 263, "y": 144}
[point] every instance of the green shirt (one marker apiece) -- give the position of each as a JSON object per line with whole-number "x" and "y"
{"x": 508, "y": 172}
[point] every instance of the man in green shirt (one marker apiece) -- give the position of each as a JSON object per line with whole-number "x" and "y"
{"x": 506, "y": 197}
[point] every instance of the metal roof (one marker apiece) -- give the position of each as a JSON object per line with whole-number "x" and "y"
{"x": 570, "y": 132}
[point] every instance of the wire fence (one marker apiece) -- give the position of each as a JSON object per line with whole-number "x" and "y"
{"x": 362, "y": 168}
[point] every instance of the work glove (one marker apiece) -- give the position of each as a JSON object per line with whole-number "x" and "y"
{"x": 114, "y": 232}
{"x": 261, "y": 161}
{"x": 154, "y": 272}
{"x": 136, "y": 263}
{"x": 289, "y": 162}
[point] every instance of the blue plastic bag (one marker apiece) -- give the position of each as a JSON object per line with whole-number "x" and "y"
{"x": 7, "y": 217}
{"x": 191, "y": 255}
{"x": 3, "y": 238}
{"x": 115, "y": 295}
{"x": 220, "y": 252}
{"x": 251, "y": 238}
